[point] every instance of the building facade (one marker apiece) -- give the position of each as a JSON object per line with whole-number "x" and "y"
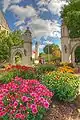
{"x": 68, "y": 46}
{"x": 3, "y": 24}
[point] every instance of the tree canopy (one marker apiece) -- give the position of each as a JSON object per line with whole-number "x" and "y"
{"x": 51, "y": 49}
{"x": 6, "y": 42}
{"x": 71, "y": 16}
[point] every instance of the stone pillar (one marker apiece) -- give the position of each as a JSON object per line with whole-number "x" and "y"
{"x": 27, "y": 60}
{"x": 65, "y": 43}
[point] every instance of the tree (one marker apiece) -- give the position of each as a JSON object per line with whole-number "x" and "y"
{"x": 71, "y": 16}
{"x": 51, "y": 49}
{"x": 56, "y": 51}
{"x": 6, "y": 42}
{"x": 48, "y": 49}
{"x": 52, "y": 52}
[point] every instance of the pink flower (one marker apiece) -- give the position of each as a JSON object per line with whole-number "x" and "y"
{"x": 24, "y": 98}
{"x": 2, "y": 113}
{"x": 16, "y": 92}
{"x": 15, "y": 104}
{"x": 33, "y": 106}
{"x": 46, "y": 104}
{"x": 34, "y": 110}
{"x": 33, "y": 94}
{"x": 1, "y": 108}
{"x": 20, "y": 116}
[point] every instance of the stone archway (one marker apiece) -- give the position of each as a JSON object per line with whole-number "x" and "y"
{"x": 73, "y": 54}
{"x": 16, "y": 56}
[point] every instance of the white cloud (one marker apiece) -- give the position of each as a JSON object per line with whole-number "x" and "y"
{"x": 43, "y": 9}
{"x": 22, "y": 12}
{"x": 33, "y": 47}
{"x": 42, "y": 27}
{"x": 7, "y": 3}
{"x": 43, "y": 3}
{"x": 48, "y": 42}
{"x": 39, "y": 27}
{"x": 22, "y": 28}
{"x": 41, "y": 46}
{"x": 18, "y": 23}
{"x": 54, "y": 6}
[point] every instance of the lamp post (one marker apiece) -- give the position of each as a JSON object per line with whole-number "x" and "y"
{"x": 48, "y": 54}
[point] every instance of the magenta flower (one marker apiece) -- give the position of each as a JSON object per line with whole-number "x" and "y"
{"x": 46, "y": 104}
{"x": 15, "y": 104}
{"x": 24, "y": 98}
{"x": 23, "y": 95}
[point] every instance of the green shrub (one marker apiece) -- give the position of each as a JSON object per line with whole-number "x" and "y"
{"x": 8, "y": 76}
{"x": 45, "y": 68}
{"x": 64, "y": 85}
{"x": 42, "y": 69}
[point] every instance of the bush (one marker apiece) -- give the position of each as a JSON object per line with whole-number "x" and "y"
{"x": 45, "y": 68}
{"x": 20, "y": 71}
{"x": 64, "y": 85}
{"x": 66, "y": 64}
{"x": 42, "y": 69}
{"x": 24, "y": 99}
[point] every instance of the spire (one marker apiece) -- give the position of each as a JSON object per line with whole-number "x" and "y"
{"x": 36, "y": 50}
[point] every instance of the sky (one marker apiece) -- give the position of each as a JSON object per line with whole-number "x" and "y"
{"x": 41, "y": 16}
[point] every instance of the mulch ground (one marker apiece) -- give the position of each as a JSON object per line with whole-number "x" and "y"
{"x": 63, "y": 111}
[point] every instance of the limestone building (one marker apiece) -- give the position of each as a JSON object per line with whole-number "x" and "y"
{"x": 3, "y": 23}
{"x": 69, "y": 46}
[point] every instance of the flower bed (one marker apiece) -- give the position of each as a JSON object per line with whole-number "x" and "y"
{"x": 23, "y": 99}
{"x": 67, "y": 69}
{"x": 18, "y": 70}
{"x": 65, "y": 85}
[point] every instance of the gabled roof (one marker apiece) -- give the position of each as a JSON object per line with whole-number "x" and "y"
{"x": 3, "y": 21}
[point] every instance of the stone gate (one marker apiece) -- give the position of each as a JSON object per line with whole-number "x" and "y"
{"x": 68, "y": 45}
{"x": 25, "y": 50}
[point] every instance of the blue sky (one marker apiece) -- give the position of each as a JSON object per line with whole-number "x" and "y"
{"x": 41, "y": 16}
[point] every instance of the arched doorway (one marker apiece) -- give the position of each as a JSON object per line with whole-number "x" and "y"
{"x": 77, "y": 55}
{"x": 18, "y": 58}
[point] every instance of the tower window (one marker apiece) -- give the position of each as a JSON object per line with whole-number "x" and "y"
{"x": 0, "y": 27}
{"x": 7, "y": 32}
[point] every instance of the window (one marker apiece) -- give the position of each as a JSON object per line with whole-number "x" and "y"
{"x": 0, "y": 27}
{"x": 7, "y": 32}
